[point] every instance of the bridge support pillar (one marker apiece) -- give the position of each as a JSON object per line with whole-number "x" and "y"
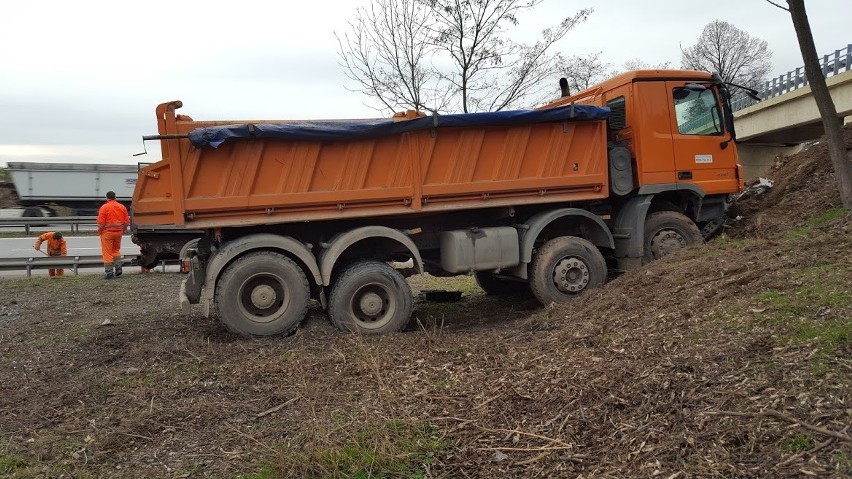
{"x": 757, "y": 160}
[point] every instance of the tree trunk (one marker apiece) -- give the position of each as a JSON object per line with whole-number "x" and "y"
{"x": 841, "y": 161}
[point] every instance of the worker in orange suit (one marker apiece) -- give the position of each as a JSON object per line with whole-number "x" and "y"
{"x": 112, "y": 221}
{"x": 56, "y": 246}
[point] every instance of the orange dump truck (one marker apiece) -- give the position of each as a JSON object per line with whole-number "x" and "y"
{"x": 549, "y": 200}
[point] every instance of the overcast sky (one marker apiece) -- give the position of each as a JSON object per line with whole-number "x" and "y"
{"x": 79, "y": 80}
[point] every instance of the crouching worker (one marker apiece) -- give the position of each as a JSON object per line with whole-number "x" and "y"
{"x": 112, "y": 221}
{"x": 56, "y": 246}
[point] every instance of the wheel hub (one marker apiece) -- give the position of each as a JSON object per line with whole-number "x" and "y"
{"x": 667, "y": 241}
{"x": 571, "y": 275}
{"x": 263, "y": 296}
{"x": 371, "y": 304}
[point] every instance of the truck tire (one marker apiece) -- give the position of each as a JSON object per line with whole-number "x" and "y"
{"x": 33, "y": 212}
{"x": 667, "y": 231}
{"x": 148, "y": 260}
{"x": 565, "y": 267}
{"x": 262, "y": 294}
{"x": 370, "y": 297}
{"x": 494, "y": 286}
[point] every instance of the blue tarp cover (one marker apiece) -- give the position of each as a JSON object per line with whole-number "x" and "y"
{"x": 326, "y": 130}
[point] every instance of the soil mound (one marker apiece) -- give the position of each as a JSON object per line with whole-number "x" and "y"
{"x": 804, "y": 186}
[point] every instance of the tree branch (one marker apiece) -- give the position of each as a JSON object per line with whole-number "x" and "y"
{"x": 779, "y": 6}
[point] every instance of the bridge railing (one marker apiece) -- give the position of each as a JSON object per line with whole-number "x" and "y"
{"x": 832, "y": 64}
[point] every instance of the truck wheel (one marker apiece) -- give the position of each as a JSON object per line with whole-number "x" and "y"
{"x": 148, "y": 264}
{"x": 262, "y": 294}
{"x": 565, "y": 267}
{"x": 667, "y": 231}
{"x": 370, "y": 297}
{"x": 33, "y": 212}
{"x": 495, "y": 286}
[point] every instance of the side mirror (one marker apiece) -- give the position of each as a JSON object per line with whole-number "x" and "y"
{"x": 680, "y": 93}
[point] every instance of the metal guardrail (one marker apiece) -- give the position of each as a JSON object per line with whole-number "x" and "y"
{"x": 832, "y": 64}
{"x": 73, "y": 263}
{"x": 73, "y": 222}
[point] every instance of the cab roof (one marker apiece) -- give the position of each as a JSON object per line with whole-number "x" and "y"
{"x": 630, "y": 77}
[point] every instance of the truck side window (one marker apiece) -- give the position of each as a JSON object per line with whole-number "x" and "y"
{"x": 697, "y": 112}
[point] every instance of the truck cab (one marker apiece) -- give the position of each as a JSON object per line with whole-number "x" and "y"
{"x": 674, "y": 130}
{"x": 674, "y": 124}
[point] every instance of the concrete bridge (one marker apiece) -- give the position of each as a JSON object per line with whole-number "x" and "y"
{"x": 781, "y": 124}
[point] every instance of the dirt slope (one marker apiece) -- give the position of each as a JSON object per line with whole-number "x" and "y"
{"x": 731, "y": 360}
{"x": 804, "y": 187}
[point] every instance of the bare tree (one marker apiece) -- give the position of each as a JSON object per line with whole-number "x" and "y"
{"x": 449, "y": 54}
{"x": 492, "y": 72}
{"x": 584, "y": 71}
{"x": 841, "y": 160}
{"x": 639, "y": 64}
{"x": 385, "y": 52}
{"x": 730, "y": 52}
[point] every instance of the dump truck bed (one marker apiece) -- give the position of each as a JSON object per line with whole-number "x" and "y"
{"x": 237, "y": 173}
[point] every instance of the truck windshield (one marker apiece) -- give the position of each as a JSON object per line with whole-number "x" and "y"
{"x": 697, "y": 112}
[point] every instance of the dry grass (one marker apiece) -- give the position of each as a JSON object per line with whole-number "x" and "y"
{"x": 731, "y": 360}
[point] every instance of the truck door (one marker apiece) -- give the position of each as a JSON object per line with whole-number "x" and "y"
{"x": 698, "y": 133}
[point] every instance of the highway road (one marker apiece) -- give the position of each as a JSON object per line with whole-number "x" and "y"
{"x": 77, "y": 246}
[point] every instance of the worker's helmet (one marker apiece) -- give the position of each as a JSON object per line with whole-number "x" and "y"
{"x": 57, "y": 236}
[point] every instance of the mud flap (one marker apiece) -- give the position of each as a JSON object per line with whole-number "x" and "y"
{"x": 193, "y": 284}
{"x": 185, "y": 307}
{"x": 629, "y": 232}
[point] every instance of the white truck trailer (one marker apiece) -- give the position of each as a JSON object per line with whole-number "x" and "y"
{"x": 67, "y": 189}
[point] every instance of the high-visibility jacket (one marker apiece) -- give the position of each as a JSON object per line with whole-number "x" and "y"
{"x": 112, "y": 216}
{"x": 54, "y": 247}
